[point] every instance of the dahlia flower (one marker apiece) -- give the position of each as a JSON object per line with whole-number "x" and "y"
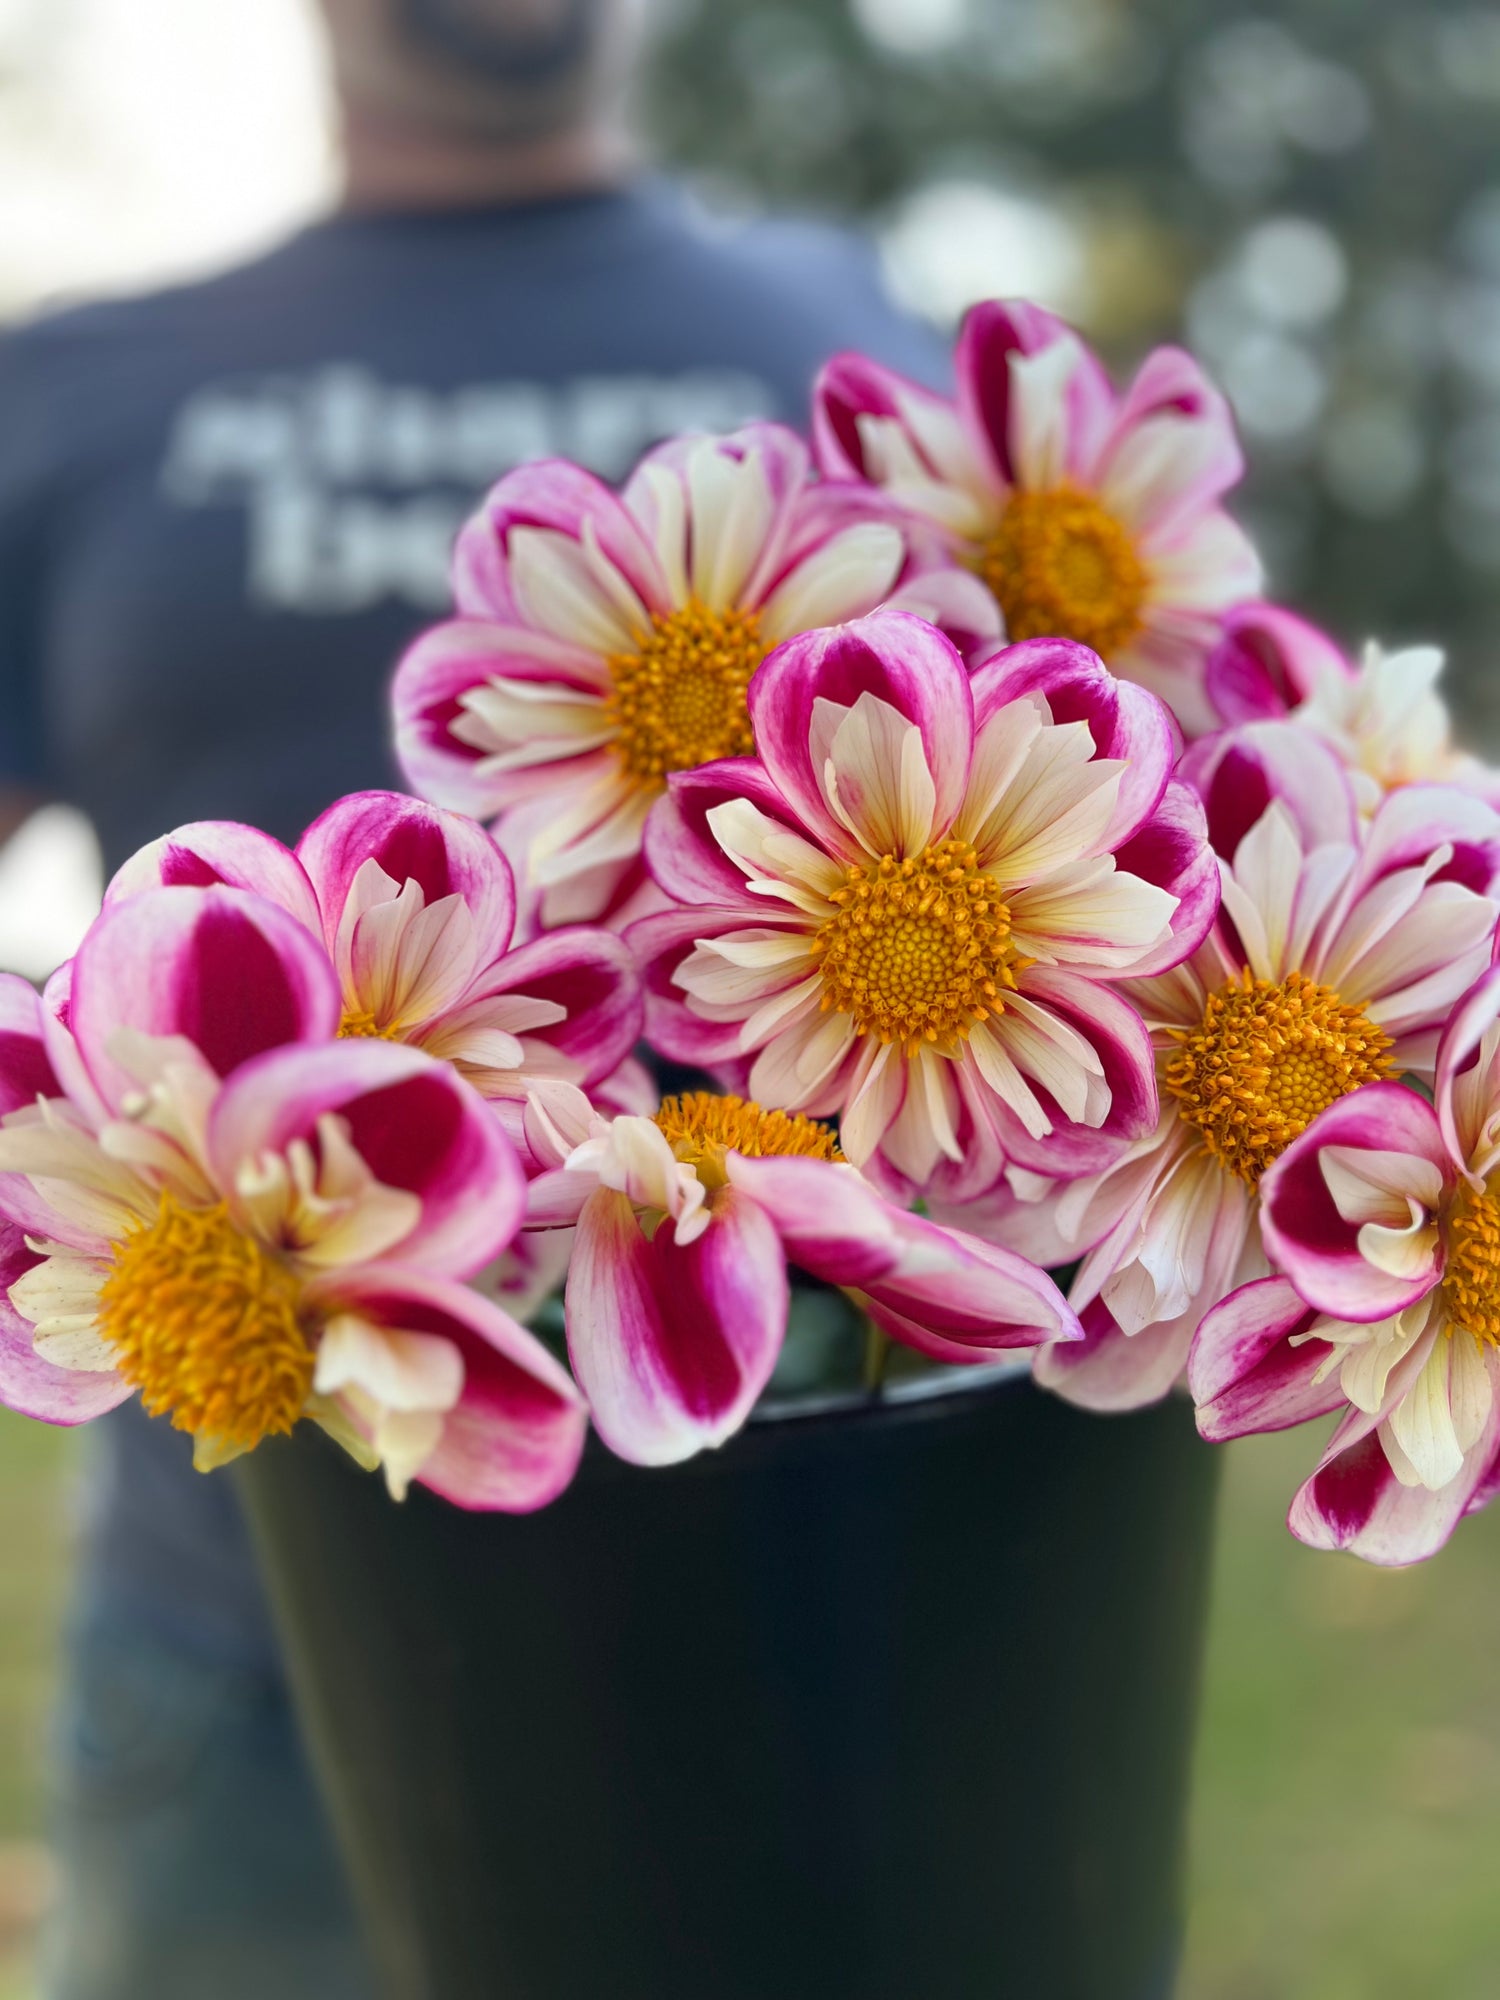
{"x": 1333, "y": 964}
{"x": 1384, "y": 718}
{"x": 1089, "y": 516}
{"x": 1384, "y": 1218}
{"x": 604, "y": 641}
{"x": 415, "y": 907}
{"x": 677, "y": 1288}
{"x": 908, "y": 910}
{"x": 205, "y": 1200}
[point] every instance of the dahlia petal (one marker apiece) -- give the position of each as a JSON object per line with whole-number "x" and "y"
{"x": 1465, "y": 1094}
{"x": 849, "y": 575}
{"x": 1108, "y": 1370}
{"x": 690, "y": 861}
{"x": 1268, "y": 662}
{"x": 588, "y": 983}
{"x": 565, "y": 502}
{"x": 1303, "y": 1227}
{"x": 29, "y": 1384}
{"x": 851, "y": 389}
{"x": 890, "y": 656}
{"x": 1355, "y": 1500}
{"x": 673, "y": 1344}
{"x": 955, "y": 600}
{"x": 952, "y": 1295}
{"x": 512, "y": 1440}
{"x": 220, "y": 853}
{"x": 1239, "y": 772}
{"x": 1174, "y": 448}
{"x": 444, "y": 853}
{"x": 993, "y": 343}
{"x": 228, "y": 971}
{"x": 415, "y": 1126}
{"x": 26, "y": 1071}
{"x": 559, "y": 588}
{"x": 1127, "y": 725}
{"x": 1171, "y": 850}
{"x": 1243, "y": 1371}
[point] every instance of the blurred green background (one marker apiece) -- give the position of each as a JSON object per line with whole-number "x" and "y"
{"x": 1347, "y": 1809}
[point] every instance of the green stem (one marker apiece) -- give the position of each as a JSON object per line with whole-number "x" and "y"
{"x": 877, "y": 1357}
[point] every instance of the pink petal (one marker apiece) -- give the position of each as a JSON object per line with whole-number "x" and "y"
{"x": 547, "y": 493}
{"x": 897, "y": 658}
{"x": 991, "y": 334}
{"x": 1474, "y": 1015}
{"x": 1301, "y": 1227}
{"x": 1172, "y": 850}
{"x": 672, "y": 1345}
{"x": 1354, "y": 1501}
{"x": 681, "y": 851}
{"x": 1238, "y": 772}
{"x": 1267, "y": 662}
{"x": 955, "y": 1296}
{"x": 1126, "y": 722}
{"x": 850, "y": 387}
{"x": 514, "y": 1441}
{"x": 660, "y": 945}
{"x": 1118, "y": 1036}
{"x": 26, "y": 1071}
{"x": 228, "y": 970}
{"x": 220, "y": 852}
{"x": 1173, "y": 445}
{"x": 442, "y": 666}
{"x": 28, "y": 1384}
{"x": 1242, "y": 1371}
{"x": 591, "y": 973}
{"x": 1408, "y": 824}
{"x": 413, "y": 1121}
{"x": 444, "y": 853}
{"x": 1110, "y": 1370}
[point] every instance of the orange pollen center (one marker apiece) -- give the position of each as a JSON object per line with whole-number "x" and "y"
{"x": 679, "y": 699}
{"x": 204, "y": 1322}
{"x": 919, "y": 950}
{"x": 1264, "y": 1061}
{"x": 702, "y": 1127}
{"x": 1471, "y": 1280}
{"x": 1061, "y": 566}
{"x": 360, "y": 1024}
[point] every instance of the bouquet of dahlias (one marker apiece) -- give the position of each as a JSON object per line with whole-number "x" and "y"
{"x": 1054, "y": 955}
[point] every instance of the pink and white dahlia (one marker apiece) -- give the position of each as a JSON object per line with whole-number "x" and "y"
{"x": 605, "y": 640}
{"x": 205, "y": 1200}
{"x": 1333, "y": 964}
{"x": 1384, "y": 1219}
{"x": 677, "y": 1288}
{"x": 416, "y": 910}
{"x": 1384, "y": 719}
{"x": 909, "y": 910}
{"x": 1089, "y": 516}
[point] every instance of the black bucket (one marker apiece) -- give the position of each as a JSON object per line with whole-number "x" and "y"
{"x": 889, "y": 1702}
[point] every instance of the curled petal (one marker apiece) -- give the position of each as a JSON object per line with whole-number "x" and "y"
{"x": 26, "y": 1071}
{"x": 1171, "y": 850}
{"x": 673, "y": 1343}
{"x": 220, "y": 853}
{"x": 1244, "y": 1373}
{"x": 228, "y": 971}
{"x": 1239, "y": 772}
{"x": 1108, "y": 1369}
{"x": 512, "y": 1440}
{"x": 1267, "y": 662}
{"x": 444, "y": 853}
{"x": 28, "y": 1384}
{"x": 412, "y": 1123}
{"x": 591, "y": 975}
{"x": 997, "y": 336}
{"x": 907, "y": 667}
{"x": 1128, "y": 725}
{"x": 1317, "y": 1245}
{"x": 549, "y": 497}
{"x": 1466, "y": 1096}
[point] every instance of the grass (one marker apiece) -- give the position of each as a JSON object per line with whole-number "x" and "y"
{"x": 1347, "y": 1815}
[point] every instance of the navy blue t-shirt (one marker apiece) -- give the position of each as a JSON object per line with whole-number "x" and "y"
{"x": 226, "y": 507}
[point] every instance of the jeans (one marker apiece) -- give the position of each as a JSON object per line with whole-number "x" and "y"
{"x": 194, "y": 1853}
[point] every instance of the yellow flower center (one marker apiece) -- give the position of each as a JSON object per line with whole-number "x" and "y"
{"x": 679, "y": 700}
{"x": 702, "y": 1127}
{"x": 204, "y": 1323}
{"x": 1063, "y": 567}
{"x": 920, "y": 949}
{"x": 1471, "y": 1281}
{"x": 360, "y": 1024}
{"x": 1264, "y": 1061}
